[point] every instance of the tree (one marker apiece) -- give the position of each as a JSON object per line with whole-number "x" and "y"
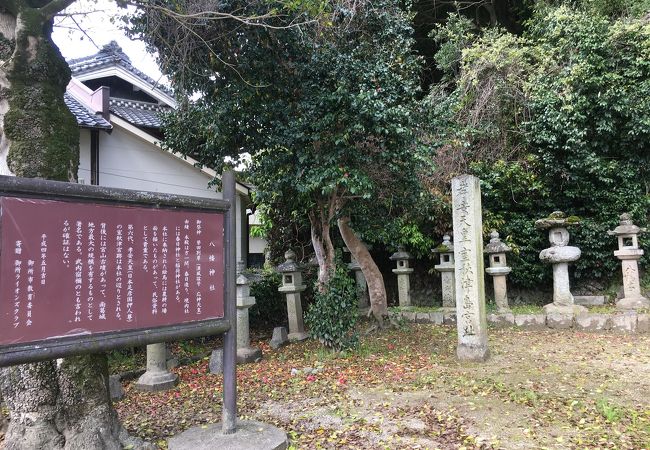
{"x": 324, "y": 110}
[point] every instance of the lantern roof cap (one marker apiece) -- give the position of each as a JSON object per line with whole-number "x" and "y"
{"x": 626, "y": 227}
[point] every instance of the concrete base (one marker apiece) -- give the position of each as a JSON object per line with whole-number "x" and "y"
{"x": 156, "y": 381}
{"x": 552, "y": 308}
{"x": 626, "y": 304}
{"x": 472, "y": 353}
{"x": 248, "y": 355}
{"x": 295, "y": 337}
{"x": 250, "y": 435}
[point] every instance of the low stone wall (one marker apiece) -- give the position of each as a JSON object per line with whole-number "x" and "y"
{"x": 623, "y": 322}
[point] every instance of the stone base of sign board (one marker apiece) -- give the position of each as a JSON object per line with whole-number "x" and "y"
{"x": 298, "y": 336}
{"x": 589, "y": 300}
{"x": 570, "y": 310}
{"x": 559, "y": 321}
{"x": 501, "y": 320}
{"x": 248, "y": 355}
{"x": 624, "y": 323}
{"x": 472, "y": 353}
{"x": 216, "y": 361}
{"x": 115, "y": 388}
{"x": 151, "y": 381}
{"x": 250, "y": 435}
{"x": 592, "y": 322}
{"x": 279, "y": 338}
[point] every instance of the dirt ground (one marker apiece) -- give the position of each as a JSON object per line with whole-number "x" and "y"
{"x": 404, "y": 389}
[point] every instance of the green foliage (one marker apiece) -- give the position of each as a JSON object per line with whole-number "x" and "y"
{"x": 332, "y": 316}
{"x": 270, "y": 308}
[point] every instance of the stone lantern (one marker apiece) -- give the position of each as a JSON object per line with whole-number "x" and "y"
{"x": 245, "y": 353}
{"x": 629, "y": 253}
{"x": 560, "y": 254}
{"x": 403, "y": 272}
{"x": 498, "y": 270}
{"x": 362, "y": 285}
{"x": 292, "y": 286}
{"x": 446, "y": 269}
{"x": 157, "y": 376}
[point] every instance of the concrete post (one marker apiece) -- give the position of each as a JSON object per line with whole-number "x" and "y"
{"x": 157, "y": 377}
{"x": 292, "y": 286}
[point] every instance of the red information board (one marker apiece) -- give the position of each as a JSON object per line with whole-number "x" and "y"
{"x": 70, "y": 269}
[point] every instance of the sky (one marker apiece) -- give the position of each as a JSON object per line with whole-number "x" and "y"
{"x": 94, "y": 18}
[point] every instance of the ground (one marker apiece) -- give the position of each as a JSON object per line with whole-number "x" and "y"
{"x": 404, "y": 389}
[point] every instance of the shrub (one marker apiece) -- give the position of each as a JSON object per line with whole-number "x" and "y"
{"x": 270, "y": 308}
{"x": 332, "y": 316}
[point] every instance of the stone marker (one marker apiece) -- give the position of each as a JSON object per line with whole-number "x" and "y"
{"x": 245, "y": 353}
{"x": 279, "y": 338}
{"x": 629, "y": 253}
{"x": 157, "y": 377}
{"x": 292, "y": 286}
{"x": 362, "y": 284}
{"x": 446, "y": 269}
{"x": 560, "y": 255}
{"x": 403, "y": 272}
{"x": 216, "y": 361}
{"x": 250, "y": 435}
{"x": 470, "y": 289}
{"x": 498, "y": 269}
{"x": 115, "y": 388}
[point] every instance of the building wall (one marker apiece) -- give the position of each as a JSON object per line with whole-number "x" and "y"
{"x": 129, "y": 162}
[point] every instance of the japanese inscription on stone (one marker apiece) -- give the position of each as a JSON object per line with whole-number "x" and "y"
{"x": 78, "y": 268}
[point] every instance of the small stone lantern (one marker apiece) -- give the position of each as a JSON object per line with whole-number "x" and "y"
{"x": 362, "y": 285}
{"x": 560, "y": 254}
{"x": 498, "y": 270}
{"x": 292, "y": 286}
{"x": 629, "y": 253}
{"x": 446, "y": 269}
{"x": 403, "y": 272}
{"x": 245, "y": 353}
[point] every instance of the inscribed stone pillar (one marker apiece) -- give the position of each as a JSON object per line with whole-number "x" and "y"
{"x": 470, "y": 288}
{"x": 245, "y": 353}
{"x": 157, "y": 377}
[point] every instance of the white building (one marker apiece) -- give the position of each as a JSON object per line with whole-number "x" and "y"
{"x": 118, "y": 110}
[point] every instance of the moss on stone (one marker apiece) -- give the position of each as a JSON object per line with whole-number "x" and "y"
{"x": 573, "y": 219}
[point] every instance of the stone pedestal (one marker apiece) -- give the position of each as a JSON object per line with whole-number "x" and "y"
{"x": 362, "y": 285}
{"x": 403, "y": 272}
{"x": 292, "y": 287}
{"x": 629, "y": 253}
{"x": 560, "y": 255}
{"x": 498, "y": 270}
{"x": 470, "y": 289}
{"x": 157, "y": 377}
{"x": 446, "y": 269}
{"x": 245, "y": 353}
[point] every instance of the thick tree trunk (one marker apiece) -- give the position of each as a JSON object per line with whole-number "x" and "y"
{"x": 64, "y": 407}
{"x": 376, "y": 287}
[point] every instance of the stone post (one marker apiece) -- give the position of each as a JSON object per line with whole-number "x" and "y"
{"x": 362, "y": 285}
{"x": 446, "y": 269}
{"x": 470, "y": 289}
{"x": 245, "y": 353}
{"x": 629, "y": 253}
{"x": 560, "y": 255}
{"x": 157, "y": 377}
{"x": 403, "y": 272}
{"x": 498, "y": 270}
{"x": 292, "y": 286}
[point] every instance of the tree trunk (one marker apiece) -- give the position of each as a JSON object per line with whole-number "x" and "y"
{"x": 376, "y": 288}
{"x": 50, "y": 407}
{"x": 323, "y": 246}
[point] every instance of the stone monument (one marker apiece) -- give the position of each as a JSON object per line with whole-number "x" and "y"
{"x": 362, "y": 285}
{"x": 403, "y": 272}
{"x": 157, "y": 377}
{"x": 470, "y": 289}
{"x": 629, "y": 253}
{"x": 560, "y": 254}
{"x": 292, "y": 286}
{"x": 245, "y": 353}
{"x": 498, "y": 270}
{"x": 446, "y": 269}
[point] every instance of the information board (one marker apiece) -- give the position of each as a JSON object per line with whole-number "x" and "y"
{"x": 70, "y": 268}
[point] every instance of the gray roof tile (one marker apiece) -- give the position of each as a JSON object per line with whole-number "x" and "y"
{"x": 141, "y": 114}
{"x": 85, "y": 117}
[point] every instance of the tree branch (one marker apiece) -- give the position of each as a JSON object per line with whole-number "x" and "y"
{"x": 54, "y": 7}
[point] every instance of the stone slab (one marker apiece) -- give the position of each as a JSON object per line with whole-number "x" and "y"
{"x": 449, "y": 318}
{"x": 280, "y": 338}
{"x": 536, "y": 321}
{"x": 422, "y": 317}
{"x": 559, "y": 321}
{"x": 437, "y": 317}
{"x": 250, "y": 435}
{"x": 409, "y": 316}
{"x": 501, "y": 320}
{"x": 248, "y": 355}
{"x": 216, "y": 361}
{"x": 592, "y": 322}
{"x": 643, "y": 323}
{"x": 115, "y": 388}
{"x": 624, "y": 323}
{"x": 589, "y": 300}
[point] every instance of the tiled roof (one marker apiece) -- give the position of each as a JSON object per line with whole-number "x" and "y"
{"x": 141, "y": 114}
{"x": 85, "y": 117}
{"x": 112, "y": 55}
